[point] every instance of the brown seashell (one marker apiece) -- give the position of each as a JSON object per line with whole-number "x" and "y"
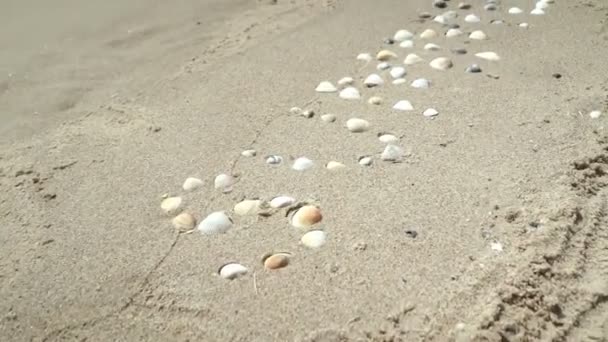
{"x": 184, "y": 222}
{"x": 273, "y": 261}
{"x": 306, "y": 216}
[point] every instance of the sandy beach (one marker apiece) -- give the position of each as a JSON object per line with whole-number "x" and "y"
{"x": 492, "y": 225}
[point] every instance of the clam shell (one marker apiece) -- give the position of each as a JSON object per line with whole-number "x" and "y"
{"x": 249, "y": 153}
{"x": 430, "y": 112}
{"x": 406, "y": 44}
{"x": 306, "y": 216}
{"x": 326, "y": 87}
{"x": 191, "y": 184}
{"x": 402, "y": 35}
{"x": 432, "y": 47}
{"x": 392, "y": 153}
{"x": 472, "y": 18}
{"x": 314, "y": 239}
{"x": 366, "y": 57}
{"x": 403, "y": 105}
{"x": 478, "y": 35}
{"x": 453, "y": 33}
{"x": 375, "y": 100}
{"x": 328, "y": 117}
{"x": 397, "y": 72}
{"x": 356, "y": 125}
{"x": 350, "y": 93}
{"x": 224, "y": 182}
{"x": 344, "y": 81}
{"x": 282, "y": 202}
{"x": 515, "y": 10}
{"x": 385, "y": 55}
{"x": 421, "y": 83}
{"x": 171, "y": 205}
{"x": 217, "y": 222}
{"x": 365, "y": 161}
{"x": 412, "y": 58}
{"x": 247, "y": 207}
{"x": 302, "y": 164}
{"x": 184, "y": 222}
{"x": 441, "y": 63}
{"x": 274, "y": 160}
{"x": 334, "y": 166}
{"x": 232, "y": 271}
{"x": 373, "y": 80}
{"x": 388, "y": 138}
{"x": 428, "y": 34}
{"x": 276, "y": 260}
{"x": 489, "y": 56}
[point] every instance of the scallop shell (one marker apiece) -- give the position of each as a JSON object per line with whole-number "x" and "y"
{"x": 478, "y": 35}
{"x": 247, "y": 207}
{"x": 249, "y": 153}
{"x": 217, "y": 222}
{"x": 276, "y": 260}
{"x": 224, "y": 182}
{"x": 302, "y": 164}
{"x": 344, "y": 81}
{"x": 334, "y": 166}
{"x": 191, "y": 184}
{"x": 282, "y": 202}
{"x": 406, "y": 44}
{"x": 385, "y": 55}
{"x": 441, "y": 63}
{"x": 428, "y": 34}
{"x": 306, "y": 216}
{"x": 421, "y": 83}
{"x": 232, "y": 271}
{"x": 274, "y": 160}
{"x": 397, "y": 72}
{"x": 357, "y": 125}
{"x": 392, "y": 153}
{"x": 184, "y": 222}
{"x": 326, "y": 87}
{"x": 328, "y": 117}
{"x": 314, "y": 239}
{"x": 350, "y": 93}
{"x": 171, "y": 205}
{"x": 402, "y": 35}
{"x": 430, "y": 112}
{"x": 375, "y": 100}
{"x": 472, "y": 18}
{"x": 412, "y": 58}
{"x": 515, "y": 10}
{"x": 373, "y": 80}
{"x": 403, "y": 105}
{"x": 453, "y": 33}
{"x": 432, "y": 47}
{"x": 489, "y": 56}
{"x": 365, "y": 161}
{"x": 366, "y": 57}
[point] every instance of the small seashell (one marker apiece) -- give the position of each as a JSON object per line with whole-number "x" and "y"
{"x": 542, "y": 5}
{"x": 515, "y": 10}
{"x": 398, "y": 81}
{"x": 472, "y": 18}
{"x": 302, "y": 164}
{"x": 357, "y": 125}
{"x": 282, "y": 202}
{"x": 441, "y": 63}
{"x": 489, "y": 56}
{"x": 464, "y": 6}
{"x": 350, "y": 93}
{"x": 344, "y": 81}
{"x": 421, "y": 83}
{"x": 473, "y": 68}
{"x": 232, "y": 271}
{"x": 308, "y": 113}
{"x": 478, "y": 35}
{"x": 389, "y": 41}
{"x": 274, "y": 160}
{"x": 249, "y": 153}
{"x": 440, "y": 3}
{"x": 402, "y": 35}
{"x": 432, "y": 47}
{"x": 328, "y": 117}
{"x": 224, "y": 182}
{"x": 430, "y": 112}
{"x": 496, "y": 22}
{"x": 403, "y": 105}
{"x": 295, "y": 110}
{"x": 524, "y": 25}
{"x": 383, "y": 66}
{"x": 595, "y": 114}
{"x": 428, "y": 34}
{"x": 459, "y": 51}
{"x": 247, "y": 207}
{"x": 537, "y": 11}
{"x": 365, "y": 161}
{"x": 326, "y": 87}
{"x": 375, "y": 100}
{"x": 334, "y": 166}
{"x": 171, "y": 205}
{"x": 450, "y": 15}
{"x": 184, "y": 222}
{"x": 217, "y": 222}
{"x": 314, "y": 239}
{"x": 276, "y": 261}
{"x": 453, "y": 33}
{"x": 424, "y": 15}
{"x": 385, "y": 55}
{"x": 406, "y": 44}
{"x": 392, "y": 153}
{"x": 191, "y": 184}
{"x": 440, "y": 19}
{"x": 496, "y": 246}
{"x": 387, "y": 138}
{"x": 412, "y": 58}
{"x": 397, "y": 72}
{"x": 366, "y": 57}
{"x": 306, "y": 216}
{"x": 373, "y": 80}
{"x": 490, "y": 7}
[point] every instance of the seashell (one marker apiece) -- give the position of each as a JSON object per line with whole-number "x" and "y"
{"x": 365, "y": 161}
{"x": 334, "y": 165}
{"x": 515, "y": 10}
{"x": 398, "y": 81}
{"x": 282, "y": 202}
{"x": 373, "y": 80}
{"x": 224, "y": 182}
{"x": 232, "y": 271}
{"x": 357, "y": 125}
{"x": 314, "y": 239}
{"x": 424, "y": 15}
{"x": 375, "y": 100}
{"x": 496, "y": 246}
{"x": 412, "y": 58}
{"x": 392, "y": 153}
{"x": 524, "y": 25}
{"x": 472, "y": 18}
{"x": 295, "y": 110}
{"x": 441, "y": 63}
{"x": 489, "y": 56}
{"x": 464, "y": 6}
{"x": 430, "y": 112}
{"x": 440, "y": 3}
{"x": 537, "y": 11}
{"x": 402, "y": 35}
{"x": 217, "y": 222}
{"x": 191, "y": 184}
{"x": 171, "y": 205}
{"x": 490, "y": 7}
{"x": 328, "y": 117}
{"x": 397, "y": 72}
{"x": 421, "y": 83}
{"x": 428, "y": 34}
{"x": 403, "y": 105}
{"x": 389, "y": 41}
{"x": 496, "y": 22}
{"x": 383, "y": 66}
{"x": 387, "y": 138}
{"x": 542, "y": 5}
{"x": 440, "y": 19}
{"x": 274, "y": 160}
{"x": 478, "y": 35}
{"x": 385, "y": 55}
{"x": 366, "y": 57}
{"x": 459, "y": 51}
{"x": 276, "y": 261}
{"x": 308, "y": 113}
{"x": 350, "y": 93}
{"x": 247, "y": 207}
{"x": 326, "y": 87}
{"x": 249, "y": 153}
{"x": 453, "y": 33}
{"x": 432, "y": 47}
{"x": 595, "y": 114}
{"x": 449, "y": 15}
{"x": 184, "y": 222}
{"x": 473, "y": 68}
{"x": 406, "y": 44}
{"x": 302, "y": 164}
{"x": 306, "y": 216}
{"x": 344, "y": 81}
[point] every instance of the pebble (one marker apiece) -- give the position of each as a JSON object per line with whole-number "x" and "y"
{"x": 306, "y": 216}
{"x": 421, "y": 83}
{"x": 328, "y": 117}
{"x": 412, "y": 58}
{"x": 397, "y": 72}
{"x": 406, "y": 44}
{"x": 232, "y": 271}
{"x": 430, "y": 112}
{"x": 459, "y": 51}
{"x": 373, "y": 80}
{"x": 344, "y": 81}
{"x": 441, "y": 63}
{"x": 454, "y": 32}
{"x": 432, "y": 47}
{"x": 537, "y": 11}
{"x": 326, "y": 87}
{"x": 385, "y": 55}
{"x": 440, "y": 4}
{"x": 217, "y": 222}
{"x": 302, "y": 164}
{"x": 464, "y": 6}
{"x": 515, "y": 10}
{"x": 356, "y": 125}
{"x": 387, "y": 138}
{"x": 184, "y": 222}
{"x": 191, "y": 184}
{"x": 366, "y": 57}
{"x": 314, "y": 239}
{"x": 392, "y": 153}
{"x": 249, "y": 153}
{"x": 478, "y": 35}
{"x": 171, "y": 205}
{"x": 383, "y": 66}
{"x": 350, "y": 93}
{"x": 365, "y": 161}
{"x": 402, "y": 35}
{"x": 398, "y": 81}
{"x": 282, "y": 202}
{"x": 224, "y": 182}
{"x": 472, "y": 18}
{"x": 274, "y": 159}
{"x": 428, "y": 34}
{"x": 595, "y": 114}
{"x": 489, "y": 56}
{"x": 247, "y": 207}
{"x": 404, "y": 105}
{"x": 375, "y": 100}
{"x": 335, "y": 166}
{"x": 276, "y": 261}
{"x": 473, "y": 68}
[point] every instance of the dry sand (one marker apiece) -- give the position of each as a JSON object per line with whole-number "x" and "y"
{"x": 107, "y": 106}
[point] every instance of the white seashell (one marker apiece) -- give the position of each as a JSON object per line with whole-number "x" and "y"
{"x": 232, "y": 271}
{"x": 542, "y": 5}
{"x": 392, "y": 153}
{"x": 326, "y": 87}
{"x": 184, "y": 222}
{"x": 421, "y": 83}
{"x": 430, "y": 112}
{"x": 453, "y": 32}
{"x": 412, "y": 58}
{"x": 403, "y": 105}
{"x": 406, "y": 44}
{"x": 383, "y": 66}
{"x": 314, "y": 239}
{"x": 595, "y": 114}
{"x": 478, "y": 35}
{"x": 249, "y": 153}
{"x": 440, "y": 19}
{"x": 171, "y": 205}
{"x": 191, "y": 184}
{"x": 365, "y": 161}
{"x": 282, "y": 202}
{"x": 328, "y": 117}
{"x": 399, "y": 81}
{"x": 496, "y": 246}
{"x": 306, "y": 216}
{"x": 344, "y": 81}
{"x": 402, "y": 35}
{"x": 366, "y": 57}
{"x": 302, "y": 164}
{"x": 247, "y": 207}
{"x": 397, "y": 72}
{"x": 357, "y": 125}
{"x": 489, "y": 56}
{"x": 385, "y": 55}
{"x": 350, "y": 93}
{"x": 334, "y": 166}
{"x": 472, "y": 18}
{"x": 515, "y": 10}
{"x": 224, "y": 182}
{"x": 216, "y": 222}
{"x": 375, "y": 100}
{"x": 274, "y": 160}
{"x": 450, "y": 15}
{"x": 388, "y": 138}
{"x": 428, "y": 34}
{"x": 537, "y": 11}
{"x": 441, "y": 63}
{"x": 524, "y": 25}
{"x": 373, "y": 80}
{"x": 432, "y": 47}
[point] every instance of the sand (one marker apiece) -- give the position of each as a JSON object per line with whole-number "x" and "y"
{"x": 106, "y": 107}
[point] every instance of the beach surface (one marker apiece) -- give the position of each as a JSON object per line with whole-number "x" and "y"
{"x": 492, "y": 227}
